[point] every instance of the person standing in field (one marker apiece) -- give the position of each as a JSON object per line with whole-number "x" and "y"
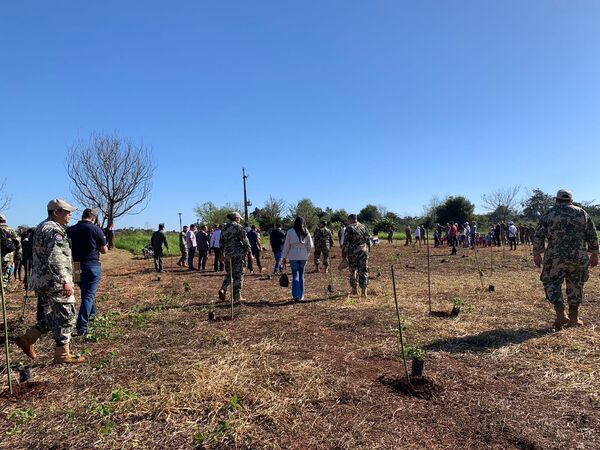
{"x": 255, "y": 248}
{"x": 190, "y": 240}
{"x": 423, "y": 235}
{"x": 215, "y": 246}
{"x": 158, "y": 239}
{"x": 52, "y": 280}
{"x": 11, "y": 237}
{"x": 417, "y": 235}
{"x": 570, "y": 235}
{"x": 513, "y": 232}
{"x": 390, "y": 236}
{"x": 323, "y": 244}
{"x": 234, "y": 250}
{"x": 356, "y": 250}
{"x": 296, "y": 248}
{"x": 183, "y": 247}
{"x": 408, "y": 233}
{"x": 88, "y": 242}
{"x": 276, "y": 238}
{"x": 203, "y": 243}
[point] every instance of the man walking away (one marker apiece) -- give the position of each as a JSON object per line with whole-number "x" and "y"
{"x": 157, "y": 241}
{"x": 255, "y": 247}
{"x": 512, "y": 235}
{"x": 571, "y": 235}
{"x": 276, "y": 238}
{"x": 356, "y": 249}
{"x": 88, "y": 242}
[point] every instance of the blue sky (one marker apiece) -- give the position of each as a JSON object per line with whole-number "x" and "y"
{"x": 343, "y": 102}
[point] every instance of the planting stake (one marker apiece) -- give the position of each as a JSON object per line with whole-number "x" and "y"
{"x": 428, "y": 269}
{"x": 231, "y": 281}
{"x": 330, "y": 285}
{"x": 478, "y": 267}
{"x": 400, "y": 337}
{"x": 492, "y": 258}
{"x": 10, "y": 389}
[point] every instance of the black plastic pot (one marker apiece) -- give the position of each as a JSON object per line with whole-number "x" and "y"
{"x": 455, "y": 311}
{"x": 211, "y": 315}
{"x": 416, "y": 369}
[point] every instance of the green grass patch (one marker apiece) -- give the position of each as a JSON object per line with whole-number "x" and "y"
{"x": 135, "y": 240}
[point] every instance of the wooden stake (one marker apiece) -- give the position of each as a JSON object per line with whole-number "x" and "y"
{"x": 231, "y": 282}
{"x": 400, "y": 336}
{"x": 428, "y": 269}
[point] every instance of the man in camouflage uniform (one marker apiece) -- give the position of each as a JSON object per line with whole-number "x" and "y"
{"x": 323, "y": 243}
{"x": 158, "y": 240}
{"x": 52, "y": 280}
{"x": 235, "y": 247}
{"x": 183, "y": 247}
{"x": 571, "y": 234}
{"x": 356, "y": 249}
{"x": 8, "y": 259}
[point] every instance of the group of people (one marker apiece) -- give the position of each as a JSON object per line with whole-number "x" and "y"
{"x": 61, "y": 257}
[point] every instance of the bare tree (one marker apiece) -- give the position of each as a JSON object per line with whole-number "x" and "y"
{"x": 4, "y": 197}
{"x": 503, "y": 201}
{"x": 111, "y": 174}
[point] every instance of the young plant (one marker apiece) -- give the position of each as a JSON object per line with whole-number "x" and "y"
{"x": 415, "y": 352}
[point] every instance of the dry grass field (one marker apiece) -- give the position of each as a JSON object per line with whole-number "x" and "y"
{"x": 322, "y": 373}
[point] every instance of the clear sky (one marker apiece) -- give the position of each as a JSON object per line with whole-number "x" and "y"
{"x": 344, "y": 102}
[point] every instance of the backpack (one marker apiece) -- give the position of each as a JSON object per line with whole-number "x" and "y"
{"x": 6, "y": 241}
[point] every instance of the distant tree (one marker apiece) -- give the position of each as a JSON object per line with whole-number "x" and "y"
{"x": 111, "y": 174}
{"x": 210, "y": 214}
{"x": 306, "y": 208}
{"x": 4, "y": 197}
{"x": 455, "y": 209}
{"x": 339, "y": 216}
{"x": 537, "y": 204}
{"x": 503, "y": 202}
{"x": 369, "y": 214}
{"x": 271, "y": 213}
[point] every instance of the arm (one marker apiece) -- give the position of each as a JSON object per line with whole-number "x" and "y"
{"x": 286, "y": 247}
{"x": 591, "y": 237}
{"x": 59, "y": 262}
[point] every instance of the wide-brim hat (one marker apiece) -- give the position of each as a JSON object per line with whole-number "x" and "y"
{"x": 58, "y": 203}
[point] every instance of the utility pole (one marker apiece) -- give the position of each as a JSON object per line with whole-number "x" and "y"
{"x": 244, "y": 176}
{"x": 180, "y": 226}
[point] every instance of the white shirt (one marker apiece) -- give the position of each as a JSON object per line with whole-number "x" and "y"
{"x": 294, "y": 249}
{"x": 190, "y": 238}
{"x": 215, "y": 239}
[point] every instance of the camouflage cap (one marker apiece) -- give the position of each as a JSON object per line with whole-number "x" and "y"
{"x": 564, "y": 195}
{"x": 58, "y": 203}
{"x": 235, "y": 215}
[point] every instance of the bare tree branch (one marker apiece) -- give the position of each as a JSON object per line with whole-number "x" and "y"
{"x": 503, "y": 201}
{"x": 4, "y": 197}
{"x": 111, "y": 174}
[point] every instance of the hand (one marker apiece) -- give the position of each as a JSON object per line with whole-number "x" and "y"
{"x": 593, "y": 259}
{"x": 68, "y": 289}
{"x": 537, "y": 259}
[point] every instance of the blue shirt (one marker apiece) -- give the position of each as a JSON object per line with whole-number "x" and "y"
{"x": 86, "y": 239}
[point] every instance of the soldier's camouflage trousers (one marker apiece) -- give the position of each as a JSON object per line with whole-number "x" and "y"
{"x": 184, "y": 254}
{"x": 555, "y": 271}
{"x": 56, "y": 313}
{"x": 359, "y": 263}
{"x": 6, "y": 271}
{"x": 234, "y": 265}
{"x": 322, "y": 250}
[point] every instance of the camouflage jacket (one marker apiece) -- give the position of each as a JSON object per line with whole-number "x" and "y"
{"x": 323, "y": 237}
{"x": 356, "y": 240}
{"x": 52, "y": 266}
{"x": 568, "y": 230}
{"x": 182, "y": 242}
{"x": 234, "y": 241}
{"x": 13, "y": 235}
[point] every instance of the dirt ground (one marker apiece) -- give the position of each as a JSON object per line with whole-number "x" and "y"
{"x": 323, "y": 373}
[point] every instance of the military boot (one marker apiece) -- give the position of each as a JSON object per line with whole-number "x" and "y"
{"x": 561, "y": 319}
{"x": 28, "y": 340}
{"x": 354, "y": 291}
{"x": 363, "y": 292}
{"x": 574, "y": 320}
{"x": 62, "y": 355}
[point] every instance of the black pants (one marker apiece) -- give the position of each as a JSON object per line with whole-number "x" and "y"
{"x": 218, "y": 264}
{"x": 256, "y": 254}
{"x": 513, "y": 242}
{"x": 202, "y": 257}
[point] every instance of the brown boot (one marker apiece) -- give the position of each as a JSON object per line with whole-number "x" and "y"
{"x": 63, "y": 356}
{"x": 574, "y": 320}
{"x": 28, "y": 340}
{"x": 354, "y": 291}
{"x": 222, "y": 294}
{"x": 561, "y": 319}
{"x": 363, "y": 292}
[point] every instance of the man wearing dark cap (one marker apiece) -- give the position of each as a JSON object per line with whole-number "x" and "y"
{"x": 52, "y": 280}
{"x": 88, "y": 242}
{"x": 571, "y": 235}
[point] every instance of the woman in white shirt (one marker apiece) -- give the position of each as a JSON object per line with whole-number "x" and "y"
{"x": 298, "y": 245}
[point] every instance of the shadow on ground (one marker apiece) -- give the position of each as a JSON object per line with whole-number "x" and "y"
{"x": 488, "y": 340}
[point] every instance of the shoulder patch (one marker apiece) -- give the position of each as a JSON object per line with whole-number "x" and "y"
{"x": 58, "y": 237}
